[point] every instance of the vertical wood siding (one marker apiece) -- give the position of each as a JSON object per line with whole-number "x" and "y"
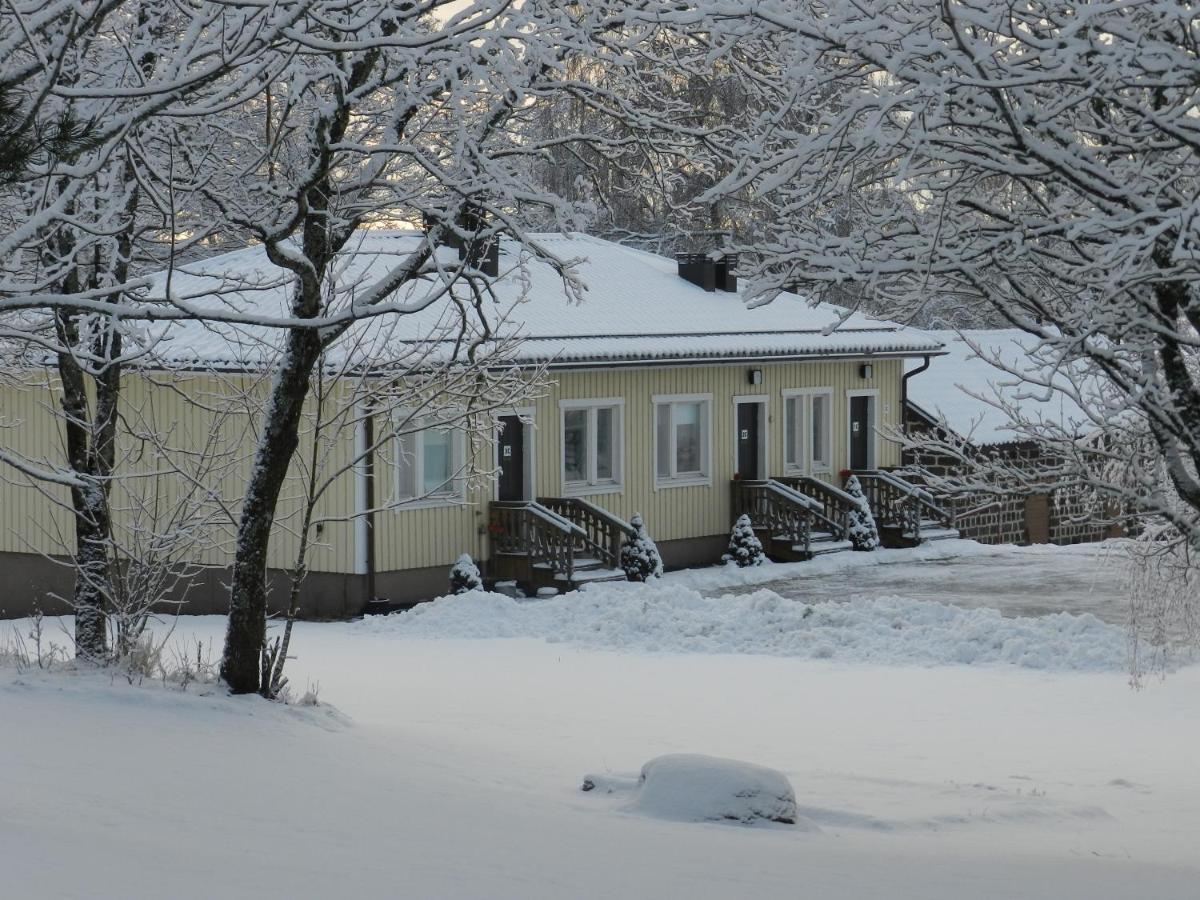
{"x": 195, "y": 416}
{"x": 186, "y": 415}
{"x": 420, "y": 537}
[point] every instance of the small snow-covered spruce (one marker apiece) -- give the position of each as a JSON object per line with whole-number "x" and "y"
{"x": 464, "y": 575}
{"x": 745, "y": 549}
{"x": 639, "y": 554}
{"x": 863, "y": 533}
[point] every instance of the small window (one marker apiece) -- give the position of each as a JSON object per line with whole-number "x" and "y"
{"x": 807, "y": 446}
{"x": 591, "y": 445}
{"x": 428, "y": 464}
{"x": 681, "y": 437}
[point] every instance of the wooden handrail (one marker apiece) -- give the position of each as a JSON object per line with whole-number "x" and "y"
{"x": 835, "y": 503}
{"x": 896, "y": 502}
{"x": 600, "y": 532}
{"x": 785, "y": 514}
{"x": 528, "y": 528}
{"x": 906, "y": 487}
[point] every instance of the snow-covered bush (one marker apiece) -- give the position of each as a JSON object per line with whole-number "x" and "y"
{"x": 688, "y": 787}
{"x": 640, "y": 559}
{"x": 745, "y": 549}
{"x": 863, "y": 533}
{"x": 464, "y": 575}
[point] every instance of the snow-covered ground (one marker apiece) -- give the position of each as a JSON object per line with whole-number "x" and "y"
{"x": 451, "y": 765}
{"x": 1017, "y": 581}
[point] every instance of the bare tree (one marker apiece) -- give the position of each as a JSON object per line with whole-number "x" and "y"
{"x": 364, "y": 406}
{"x": 94, "y": 89}
{"x": 410, "y": 113}
{"x": 1040, "y": 157}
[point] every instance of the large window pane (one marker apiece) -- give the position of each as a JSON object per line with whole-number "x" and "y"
{"x": 820, "y": 431}
{"x": 575, "y": 444}
{"x": 438, "y": 460}
{"x": 406, "y": 467}
{"x": 604, "y": 444}
{"x": 687, "y": 437}
{"x": 791, "y": 431}
{"x": 663, "y": 439}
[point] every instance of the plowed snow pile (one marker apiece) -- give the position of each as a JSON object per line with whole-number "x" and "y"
{"x": 672, "y": 618}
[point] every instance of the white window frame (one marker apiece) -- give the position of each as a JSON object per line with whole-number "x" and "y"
{"x": 593, "y": 484}
{"x": 873, "y": 445}
{"x": 529, "y": 439}
{"x": 764, "y": 430}
{"x": 455, "y": 494}
{"x": 704, "y": 477}
{"x": 804, "y": 447}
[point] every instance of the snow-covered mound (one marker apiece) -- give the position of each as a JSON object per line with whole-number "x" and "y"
{"x": 673, "y": 618}
{"x": 689, "y": 787}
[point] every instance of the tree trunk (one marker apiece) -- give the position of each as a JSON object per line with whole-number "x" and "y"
{"x": 92, "y": 571}
{"x": 241, "y": 665}
{"x": 88, "y": 503}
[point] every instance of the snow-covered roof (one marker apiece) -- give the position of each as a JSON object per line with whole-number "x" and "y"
{"x": 970, "y": 393}
{"x": 632, "y": 307}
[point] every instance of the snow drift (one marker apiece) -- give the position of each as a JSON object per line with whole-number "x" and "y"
{"x": 690, "y": 787}
{"x": 673, "y": 618}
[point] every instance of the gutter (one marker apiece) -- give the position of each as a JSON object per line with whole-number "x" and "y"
{"x": 666, "y": 362}
{"x": 904, "y": 382}
{"x": 644, "y": 362}
{"x": 364, "y": 497}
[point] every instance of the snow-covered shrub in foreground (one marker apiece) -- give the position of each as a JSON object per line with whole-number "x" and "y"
{"x": 689, "y": 787}
{"x": 863, "y": 533}
{"x": 464, "y": 575}
{"x": 640, "y": 559}
{"x": 745, "y": 549}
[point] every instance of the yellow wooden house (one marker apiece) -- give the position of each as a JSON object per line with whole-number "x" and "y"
{"x": 660, "y": 392}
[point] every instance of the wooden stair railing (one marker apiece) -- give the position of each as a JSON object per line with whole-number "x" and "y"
{"x": 527, "y": 528}
{"x": 898, "y": 503}
{"x": 835, "y": 503}
{"x": 603, "y": 532}
{"x": 785, "y": 514}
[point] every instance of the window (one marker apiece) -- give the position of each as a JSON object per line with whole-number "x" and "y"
{"x": 819, "y": 450}
{"x": 591, "y": 445}
{"x": 428, "y": 464}
{"x": 807, "y": 445}
{"x": 681, "y": 439}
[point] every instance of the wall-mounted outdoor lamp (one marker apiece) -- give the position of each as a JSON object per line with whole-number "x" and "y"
{"x": 866, "y": 370}
{"x": 755, "y": 376}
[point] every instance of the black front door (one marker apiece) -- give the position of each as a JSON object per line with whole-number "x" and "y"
{"x": 512, "y": 458}
{"x": 747, "y": 440}
{"x": 860, "y": 433}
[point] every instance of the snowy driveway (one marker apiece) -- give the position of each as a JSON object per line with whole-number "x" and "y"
{"x": 1017, "y": 581}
